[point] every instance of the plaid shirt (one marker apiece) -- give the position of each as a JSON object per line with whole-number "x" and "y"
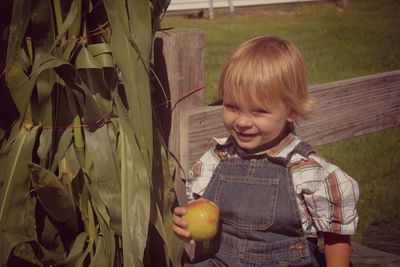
{"x": 326, "y": 195}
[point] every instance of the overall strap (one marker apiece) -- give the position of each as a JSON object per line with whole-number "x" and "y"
{"x": 302, "y": 148}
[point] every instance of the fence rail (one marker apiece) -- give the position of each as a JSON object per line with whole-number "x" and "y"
{"x": 345, "y": 109}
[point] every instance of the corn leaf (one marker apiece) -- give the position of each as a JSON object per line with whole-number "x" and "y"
{"x": 44, "y": 148}
{"x": 70, "y": 163}
{"x": 76, "y": 250}
{"x": 105, "y": 250}
{"x": 19, "y": 23}
{"x": 135, "y": 201}
{"x": 15, "y": 183}
{"x": 90, "y": 63}
{"x": 45, "y": 83}
{"x": 136, "y": 127}
{"x": 163, "y": 195}
{"x": 104, "y": 173}
{"x": 63, "y": 145}
{"x": 71, "y": 19}
{"x": 100, "y": 192}
{"x": 128, "y": 58}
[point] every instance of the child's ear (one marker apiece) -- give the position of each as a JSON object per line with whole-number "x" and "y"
{"x": 293, "y": 116}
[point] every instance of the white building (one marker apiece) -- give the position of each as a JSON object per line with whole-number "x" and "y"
{"x": 177, "y": 5}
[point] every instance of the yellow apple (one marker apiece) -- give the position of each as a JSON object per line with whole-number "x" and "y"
{"x": 202, "y": 217}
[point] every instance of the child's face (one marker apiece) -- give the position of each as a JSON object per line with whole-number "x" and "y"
{"x": 254, "y": 125}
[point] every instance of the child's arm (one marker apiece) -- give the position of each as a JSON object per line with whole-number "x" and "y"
{"x": 330, "y": 197}
{"x": 337, "y": 250}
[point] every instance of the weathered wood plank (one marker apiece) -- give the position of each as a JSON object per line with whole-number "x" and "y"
{"x": 362, "y": 256}
{"x": 179, "y": 65}
{"x": 346, "y": 109}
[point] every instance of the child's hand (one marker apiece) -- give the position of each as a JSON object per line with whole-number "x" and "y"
{"x": 179, "y": 225}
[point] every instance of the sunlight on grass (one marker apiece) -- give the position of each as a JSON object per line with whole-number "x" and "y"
{"x": 336, "y": 44}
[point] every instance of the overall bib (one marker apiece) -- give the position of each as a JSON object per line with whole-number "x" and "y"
{"x": 260, "y": 220}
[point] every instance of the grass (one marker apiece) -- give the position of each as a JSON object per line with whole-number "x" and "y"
{"x": 374, "y": 161}
{"x": 337, "y": 44}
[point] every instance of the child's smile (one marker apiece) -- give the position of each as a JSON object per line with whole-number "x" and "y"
{"x": 245, "y": 137}
{"x": 253, "y": 126}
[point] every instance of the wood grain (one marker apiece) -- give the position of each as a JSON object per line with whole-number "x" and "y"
{"x": 179, "y": 66}
{"x": 345, "y": 109}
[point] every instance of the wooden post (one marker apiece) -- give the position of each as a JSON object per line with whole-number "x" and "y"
{"x": 210, "y": 9}
{"x": 231, "y": 8}
{"x": 179, "y": 65}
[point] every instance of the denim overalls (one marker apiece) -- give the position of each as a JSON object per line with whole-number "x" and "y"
{"x": 260, "y": 220}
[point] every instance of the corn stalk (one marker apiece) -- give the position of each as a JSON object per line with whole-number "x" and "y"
{"x": 85, "y": 177}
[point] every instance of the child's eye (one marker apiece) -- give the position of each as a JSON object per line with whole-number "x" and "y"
{"x": 230, "y": 106}
{"x": 260, "y": 111}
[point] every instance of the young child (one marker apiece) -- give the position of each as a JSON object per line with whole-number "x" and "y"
{"x": 276, "y": 195}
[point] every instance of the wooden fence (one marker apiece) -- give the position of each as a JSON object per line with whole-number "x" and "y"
{"x": 346, "y": 108}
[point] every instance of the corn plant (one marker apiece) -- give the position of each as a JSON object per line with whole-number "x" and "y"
{"x": 85, "y": 178}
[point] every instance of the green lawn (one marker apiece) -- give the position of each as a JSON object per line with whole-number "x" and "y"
{"x": 374, "y": 161}
{"x": 337, "y": 44}
{"x": 361, "y": 40}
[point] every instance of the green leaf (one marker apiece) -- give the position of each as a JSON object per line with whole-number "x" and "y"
{"x": 45, "y": 143}
{"x": 20, "y": 87}
{"x": 91, "y": 63}
{"x": 45, "y": 83}
{"x": 163, "y": 198}
{"x": 104, "y": 173}
{"x": 14, "y": 159}
{"x": 63, "y": 144}
{"x": 135, "y": 201}
{"x": 73, "y": 13}
{"x": 93, "y": 103}
{"x": 76, "y": 250}
{"x": 105, "y": 250}
{"x": 131, "y": 54}
{"x": 133, "y": 65}
{"x": 70, "y": 163}
{"x": 19, "y": 23}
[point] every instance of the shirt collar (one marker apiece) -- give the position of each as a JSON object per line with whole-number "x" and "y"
{"x": 281, "y": 150}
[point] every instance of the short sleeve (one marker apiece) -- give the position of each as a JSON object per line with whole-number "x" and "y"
{"x": 331, "y": 197}
{"x": 200, "y": 174}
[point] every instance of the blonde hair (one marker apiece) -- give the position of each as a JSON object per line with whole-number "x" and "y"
{"x": 265, "y": 69}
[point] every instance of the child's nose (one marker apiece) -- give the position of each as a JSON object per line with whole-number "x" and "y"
{"x": 243, "y": 121}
